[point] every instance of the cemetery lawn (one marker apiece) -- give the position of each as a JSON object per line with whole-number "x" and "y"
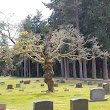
{"x": 23, "y": 100}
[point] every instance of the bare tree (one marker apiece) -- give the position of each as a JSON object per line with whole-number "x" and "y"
{"x": 47, "y": 50}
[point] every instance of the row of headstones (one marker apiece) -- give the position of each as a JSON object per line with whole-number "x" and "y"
{"x": 75, "y": 104}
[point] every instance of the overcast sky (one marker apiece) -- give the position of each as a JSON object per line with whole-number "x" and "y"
{"x": 21, "y": 8}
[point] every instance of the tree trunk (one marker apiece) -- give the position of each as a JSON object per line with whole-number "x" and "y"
{"x": 93, "y": 68}
{"x": 84, "y": 68}
{"x": 80, "y": 68}
{"x": 62, "y": 67}
{"x": 37, "y": 67}
{"x": 67, "y": 65}
{"x": 65, "y": 68}
{"x": 29, "y": 69}
{"x": 25, "y": 60}
{"x": 74, "y": 69}
{"x": 105, "y": 69}
{"x": 48, "y": 68}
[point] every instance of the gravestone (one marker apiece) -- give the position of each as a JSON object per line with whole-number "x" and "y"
{"x": 79, "y": 85}
{"x": 43, "y": 105}
{"x": 106, "y": 88}
{"x": 18, "y": 85}
{"x": 79, "y": 104}
{"x": 2, "y": 83}
{"x": 42, "y": 85}
{"x": 21, "y": 81}
{"x": 100, "y": 85}
{"x": 97, "y": 94}
{"x": 62, "y": 81}
{"x": 2, "y": 106}
{"x": 9, "y": 86}
{"x": 55, "y": 85}
{"x": 89, "y": 83}
{"x": 27, "y": 82}
{"x": 37, "y": 80}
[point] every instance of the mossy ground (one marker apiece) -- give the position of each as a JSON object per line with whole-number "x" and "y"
{"x": 23, "y": 100}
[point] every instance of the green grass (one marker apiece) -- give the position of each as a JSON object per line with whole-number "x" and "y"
{"x": 23, "y": 100}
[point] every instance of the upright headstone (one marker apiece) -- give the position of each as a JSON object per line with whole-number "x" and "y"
{"x": 2, "y": 106}
{"x": 27, "y": 82}
{"x": 2, "y": 83}
{"x": 106, "y": 88}
{"x": 79, "y": 85}
{"x": 78, "y": 104}
{"x": 21, "y": 81}
{"x": 43, "y": 105}
{"x": 18, "y": 85}
{"x": 9, "y": 86}
{"x": 89, "y": 83}
{"x": 97, "y": 94}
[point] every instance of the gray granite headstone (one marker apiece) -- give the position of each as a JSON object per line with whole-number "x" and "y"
{"x": 18, "y": 85}
{"x": 97, "y": 94}
{"x": 43, "y": 105}
{"x": 2, "y": 83}
{"x": 2, "y": 106}
{"x": 79, "y": 104}
{"x": 89, "y": 83}
{"x": 106, "y": 88}
{"x": 79, "y": 85}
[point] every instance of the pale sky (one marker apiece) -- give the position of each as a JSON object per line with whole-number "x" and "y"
{"x": 21, "y": 8}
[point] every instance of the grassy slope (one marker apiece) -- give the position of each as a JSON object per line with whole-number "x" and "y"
{"x": 23, "y": 100}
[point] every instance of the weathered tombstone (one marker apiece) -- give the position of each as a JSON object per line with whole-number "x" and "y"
{"x": 55, "y": 85}
{"x": 2, "y": 83}
{"x": 2, "y": 106}
{"x": 99, "y": 84}
{"x": 97, "y": 94}
{"x": 89, "y": 83}
{"x": 18, "y": 85}
{"x": 37, "y": 80}
{"x": 62, "y": 81}
{"x": 27, "y": 82}
{"x": 79, "y": 85}
{"x": 42, "y": 85}
{"x": 78, "y": 104}
{"x": 21, "y": 81}
{"x": 9, "y": 86}
{"x": 43, "y": 105}
{"x": 106, "y": 88}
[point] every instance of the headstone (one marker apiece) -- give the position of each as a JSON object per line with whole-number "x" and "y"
{"x": 21, "y": 81}
{"x": 97, "y": 94}
{"x": 37, "y": 80}
{"x": 18, "y": 85}
{"x": 9, "y": 86}
{"x": 100, "y": 84}
{"x": 27, "y": 82}
{"x": 2, "y": 106}
{"x": 42, "y": 85}
{"x": 78, "y": 104}
{"x": 79, "y": 85}
{"x": 62, "y": 81}
{"x": 43, "y": 105}
{"x": 89, "y": 83}
{"x": 106, "y": 88}
{"x": 2, "y": 83}
{"x": 57, "y": 80}
{"x": 55, "y": 85}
